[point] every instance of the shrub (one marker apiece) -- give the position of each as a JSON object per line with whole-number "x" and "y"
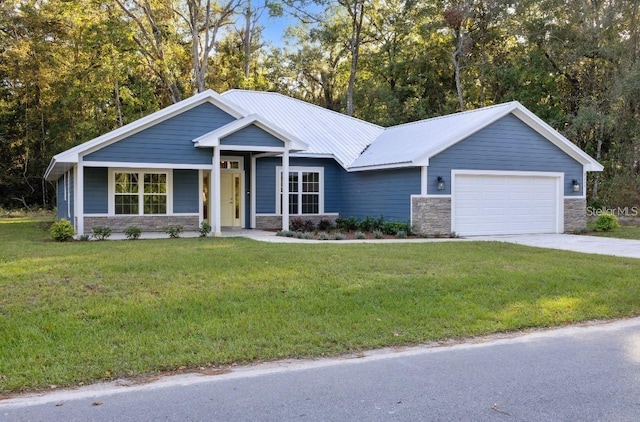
{"x": 61, "y": 230}
{"x": 285, "y": 233}
{"x": 100, "y": 232}
{"x": 393, "y": 227}
{"x": 84, "y": 238}
{"x": 368, "y": 224}
{"x": 204, "y": 229}
{"x": 300, "y": 225}
{"x": 377, "y": 234}
{"x": 339, "y": 236}
{"x": 307, "y": 235}
{"x": 347, "y": 224}
{"x": 401, "y": 234}
{"x": 323, "y": 236}
{"x": 607, "y": 221}
{"x": 173, "y": 231}
{"x": 132, "y": 232}
{"x": 360, "y": 235}
{"x": 324, "y": 225}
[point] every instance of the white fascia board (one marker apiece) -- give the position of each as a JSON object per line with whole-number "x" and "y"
{"x": 557, "y": 139}
{"x": 124, "y": 164}
{"x": 383, "y": 166}
{"x": 212, "y": 139}
{"x": 71, "y": 155}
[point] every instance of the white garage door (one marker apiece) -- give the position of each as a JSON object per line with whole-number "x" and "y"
{"x": 505, "y": 204}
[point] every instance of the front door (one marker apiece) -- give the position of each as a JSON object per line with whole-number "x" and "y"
{"x": 231, "y": 199}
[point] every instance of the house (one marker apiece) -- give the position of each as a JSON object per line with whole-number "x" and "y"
{"x": 220, "y": 157}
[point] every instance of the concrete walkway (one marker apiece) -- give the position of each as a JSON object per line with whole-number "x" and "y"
{"x": 569, "y": 242}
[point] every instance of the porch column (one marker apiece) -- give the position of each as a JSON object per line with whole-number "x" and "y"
{"x": 252, "y": 192}
{"x": 214, "y": 201}
{"x": 79, "y": 193}
{"x": 285, "y": 188}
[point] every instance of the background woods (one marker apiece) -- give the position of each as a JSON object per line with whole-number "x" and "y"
{"x": 71, "y": 70}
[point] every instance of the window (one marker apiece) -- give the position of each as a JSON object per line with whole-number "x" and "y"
{"x": 229, "y": 164}
{"x": 305, "y": 190}
{"x": 135, "y": 191}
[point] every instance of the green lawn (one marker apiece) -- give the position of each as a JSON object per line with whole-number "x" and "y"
{"x": 623, "y": 232}
{"x": 86, "y": 311}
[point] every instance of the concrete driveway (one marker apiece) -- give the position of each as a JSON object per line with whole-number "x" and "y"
{"x": 570, "y": 242}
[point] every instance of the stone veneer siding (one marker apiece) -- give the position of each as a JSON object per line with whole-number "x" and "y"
{"x": 575, "y": 214}
{"x": 274, "y": 222}
{"x": 431, "y": 216}
{"x": 146, "y": 223}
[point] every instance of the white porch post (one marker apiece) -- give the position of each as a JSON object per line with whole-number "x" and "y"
{"x": 285, "y": 188}
{"x": 79, "y": 193}
{"x": 252, "y": 190}
{"x": 214, "y": 202}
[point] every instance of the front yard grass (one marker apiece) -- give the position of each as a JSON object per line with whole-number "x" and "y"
{"x": 622, "y": 232}
{"x": 80, "y": 312}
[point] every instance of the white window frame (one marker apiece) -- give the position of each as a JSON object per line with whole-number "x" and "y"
{"x": 300, "y": 170}
{"x": 141, "y": 172}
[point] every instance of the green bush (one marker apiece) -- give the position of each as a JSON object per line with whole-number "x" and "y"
{"x": 173, "y": 231}
{"x": 393, "y": 227}
{"x": 339, "y": 236}
{"x": 347, "y": 224}
{"x": 377, "y": 234}
{"x": 100, "y": 232}
{"x": 61, "y": 230}
{"x": 360, "y": 235}
{"x": 606, "y": 221}
{"x": 204, "y": 229}
{"x": 132, "y": 232}
{"x": 323, "y": 236}
{"x": 401, "y": 234}
{"x": 324, "y": 225}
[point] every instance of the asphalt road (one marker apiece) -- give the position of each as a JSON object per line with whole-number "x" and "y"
{"x": 583, "y": 373}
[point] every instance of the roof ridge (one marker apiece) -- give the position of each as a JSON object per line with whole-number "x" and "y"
{"x": 459, "y": 113}
{"x": 305, "y": 103}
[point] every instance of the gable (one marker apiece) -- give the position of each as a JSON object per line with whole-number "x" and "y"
{"x": 253, "y": 136}
{"x": 169, "y": 141}
{"x": 507, "y": 144}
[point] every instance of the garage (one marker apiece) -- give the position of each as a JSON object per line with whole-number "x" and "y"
{"x": 506, "y": 203}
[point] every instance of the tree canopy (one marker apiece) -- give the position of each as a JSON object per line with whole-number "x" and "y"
{"x": 74, "y": 69}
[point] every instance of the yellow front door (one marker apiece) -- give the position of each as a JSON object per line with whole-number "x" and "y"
{"x": 230, "y": 199}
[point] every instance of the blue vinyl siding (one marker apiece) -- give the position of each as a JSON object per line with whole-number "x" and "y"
{"x": 266, "y": 182}
{"x": 65, "y": 205}
{"x": 252, "y": 136}
{"x": 508, "y": 144}
{"x": 186, "y": 192}
{"x": 169, "y": 141}
{"x": 383, "y": 192}
{"x": 96, "y": 190}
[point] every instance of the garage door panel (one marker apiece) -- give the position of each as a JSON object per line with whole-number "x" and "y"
{"x": 505, "y": 204}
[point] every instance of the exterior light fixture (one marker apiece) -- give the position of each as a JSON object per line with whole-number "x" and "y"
{"x": 440, "y": 183}
{"x": 576, "y": 186}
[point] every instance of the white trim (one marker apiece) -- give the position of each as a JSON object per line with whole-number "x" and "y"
{"x": 200, "y": 200}
{"x": 300, "y": 169}
{"x": 72, "y": 155}
{"x": 252, "y": 192}
{"x": 559, "y": 176}
{"x": 79, "y": 214}
{"x": 68, "y": 195}
{"x": 215, "y": 193}
{"x": 112, "y": 190}
{"x": 424, "y": 179}
{"x": 285, "y": 190}
{"x": 248, "y": 148}
{"x": 389, "y": 166}
{"x": 213, "y": 138}
{"x": 238, "y": 158}
{"x": 147, "y": 166}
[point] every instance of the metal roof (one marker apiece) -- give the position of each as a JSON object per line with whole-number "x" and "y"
{"x": 326, "y": 132}
{"x": 412, "y": 144}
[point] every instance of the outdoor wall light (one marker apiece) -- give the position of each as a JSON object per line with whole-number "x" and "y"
{"x": 440, "y": 183}
{"x": 576, "y": 186}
